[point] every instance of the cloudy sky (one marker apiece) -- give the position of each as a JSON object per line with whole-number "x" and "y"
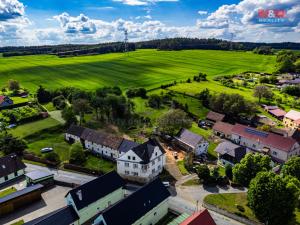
{"x": 36, "y": 22}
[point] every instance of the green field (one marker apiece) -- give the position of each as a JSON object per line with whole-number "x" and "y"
{"x": 143, "y": 68}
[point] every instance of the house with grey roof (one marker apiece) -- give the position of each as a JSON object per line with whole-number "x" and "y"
{"x": 107, "y": 145}
{"x": 191, "y": 142}
{"x": 11, "y": 167}
{"x": 143, "y": 162}
{"x": 89, "y": 199}
{"x": 148, "y": 205}
{"x": 229, "y": 153}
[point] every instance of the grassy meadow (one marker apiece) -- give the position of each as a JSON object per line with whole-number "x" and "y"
{"x": 142, "y": 68}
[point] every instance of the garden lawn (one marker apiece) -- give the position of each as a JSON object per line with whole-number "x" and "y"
{"x": 34, "y": 127}
{"x": 142, "y": 68}
{"x": 53, "y": 139}
{"x": 96, "y": 163}
{"x": 229, "y": 203}
{"x": 7, "y": 191}
{"x": 182, "y": 168}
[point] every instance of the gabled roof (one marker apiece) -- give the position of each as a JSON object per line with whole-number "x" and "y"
{"x": 75, "y": 130}
{"x": 200, "y": 218}
{"x": 136, "y": 205}
{"x": 64, "y": 216}
{"x": 3, "y": 98}
{"x": 214, "y": 116}
{"x": 277, "y": 112}
{"x": 20, "y": 193}
{"x": 293, "y": 115}
{"x": 10, "y": 164}
{"x": 145, "y": 150}
{"x": 102, "y": 138}
{"x": 273, "y": 140}
{"x": 229, "y": 148}
{"x": 96, "y": 189}
{"x": 127, "y": 145}
{"x": 189, "y": 138}
{"x": 223, "y": 127}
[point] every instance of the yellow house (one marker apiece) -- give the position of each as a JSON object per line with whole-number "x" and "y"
{"x": 292, "y": 119}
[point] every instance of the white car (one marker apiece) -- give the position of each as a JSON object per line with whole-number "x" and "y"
{"x": 45, "y": 150}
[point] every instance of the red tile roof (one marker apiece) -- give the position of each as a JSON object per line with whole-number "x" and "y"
{"x": 269, "y": 139}
{"x": 222, "y": 127}
{"x": 214, "y": 116}
{"x": 277, "y": 112}
{"x": 200, "y": 218}
{"x": 2, "y": 98}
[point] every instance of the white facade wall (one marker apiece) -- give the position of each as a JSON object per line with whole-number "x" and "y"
{"x": 12, "y": 176}
{"x": 130, "y": 167}
{"x": 69, "y": 137}
{"x": 201, "y": 148}
{"x": 258, "y": 146}
{"x": 102, "y": 150}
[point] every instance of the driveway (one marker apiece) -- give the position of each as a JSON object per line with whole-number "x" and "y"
{"x": 52, "y": 200}
{"x": 62, "y": 175}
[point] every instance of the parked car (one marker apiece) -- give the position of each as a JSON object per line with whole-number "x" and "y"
{"x": 11, "y": 126}
{"x": 46, "y": 150}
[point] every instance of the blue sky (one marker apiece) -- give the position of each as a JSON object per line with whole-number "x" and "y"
{"x": 27, "y": 22}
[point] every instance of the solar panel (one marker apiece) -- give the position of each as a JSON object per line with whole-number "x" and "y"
{"x": 256, "y": 132}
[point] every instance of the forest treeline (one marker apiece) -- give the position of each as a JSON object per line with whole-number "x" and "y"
{"x": 171, "y": 44}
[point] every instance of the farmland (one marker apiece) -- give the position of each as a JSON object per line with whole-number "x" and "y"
{"x": 143, "y": 68}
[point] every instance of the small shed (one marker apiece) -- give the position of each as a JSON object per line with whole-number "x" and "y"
{"x": 39, "y": 177}
{"x": 213, "y": 117}
{"x": 230, "y": 153}
{"x": 20, "y": 198}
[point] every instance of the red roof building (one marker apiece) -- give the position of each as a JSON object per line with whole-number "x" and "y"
{"x": 200, "y": 218}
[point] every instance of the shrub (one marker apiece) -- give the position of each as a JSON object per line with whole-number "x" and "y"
{"x": 52, "y": 156}
{"x": 77, "y": 155}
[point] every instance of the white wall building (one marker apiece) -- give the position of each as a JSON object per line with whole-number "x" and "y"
{"x": 191, "y": 142}
{"x": 143, "y": 162}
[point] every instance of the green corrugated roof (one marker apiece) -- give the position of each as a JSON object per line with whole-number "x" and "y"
{"x": 179, "y": 219}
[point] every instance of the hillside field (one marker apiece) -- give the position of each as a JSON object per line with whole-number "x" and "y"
{"x": 142, "y": 68}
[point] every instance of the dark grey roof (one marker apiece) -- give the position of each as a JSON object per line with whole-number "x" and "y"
{"x": 20, "y": 193}
{"x": 64, "y": 216}
{"x": 37, "y": 174}
{"x": 109, "y": 140}
{"x": 189, "y": 138}
{"x": 127, "y": 145}
{"x": 96, "y": 189}
{"x": 75, "y": 130}
{"x": 10, "y": 164}
{"x": 136, "y": 205}
{"x": 145, "y": 150}
{"x": 231, "y": 149}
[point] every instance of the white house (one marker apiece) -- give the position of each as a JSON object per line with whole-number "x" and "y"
{"x": 191, "y": 142}
{"x": 148, "y": 205}
{"x": 104, "y": 144}
{"x": 280, "y": 148}
{"x": 142, "y": 163}
{"x": 11, "y": 167}
{"x": 292, "y": 119}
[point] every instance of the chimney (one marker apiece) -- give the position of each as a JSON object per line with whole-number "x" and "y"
{"x": 79, "y": 194}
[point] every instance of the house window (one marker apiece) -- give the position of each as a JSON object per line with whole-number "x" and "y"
{"x": 155, "y": 153}
{"x": 135, "y": 165}
{"x": 159, "y": 167}
{"x": 158, "y": 159}
{"x": 155, "y": 213}
{"x": 126, "y": 164}
{"x": 153, "y": 162}
{"x": 135, "y": 174}
{"x": 153, "y": 171}
{"x": 16, "y": 173}
{"x": 126, "y": 172}
{"x": 129, "y": 157}
{"x": 133, "y": 158}
{"x": 5, "y": 178}
{"x": 274, "y": 153}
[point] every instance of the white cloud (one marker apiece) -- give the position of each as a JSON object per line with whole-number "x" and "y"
{"x": 142, "y": 2}
{"x": 11, "y": 9}
{"x": 201, "y": 12}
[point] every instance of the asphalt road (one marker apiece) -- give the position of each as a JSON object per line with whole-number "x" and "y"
{"x": 62, "y": 175}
